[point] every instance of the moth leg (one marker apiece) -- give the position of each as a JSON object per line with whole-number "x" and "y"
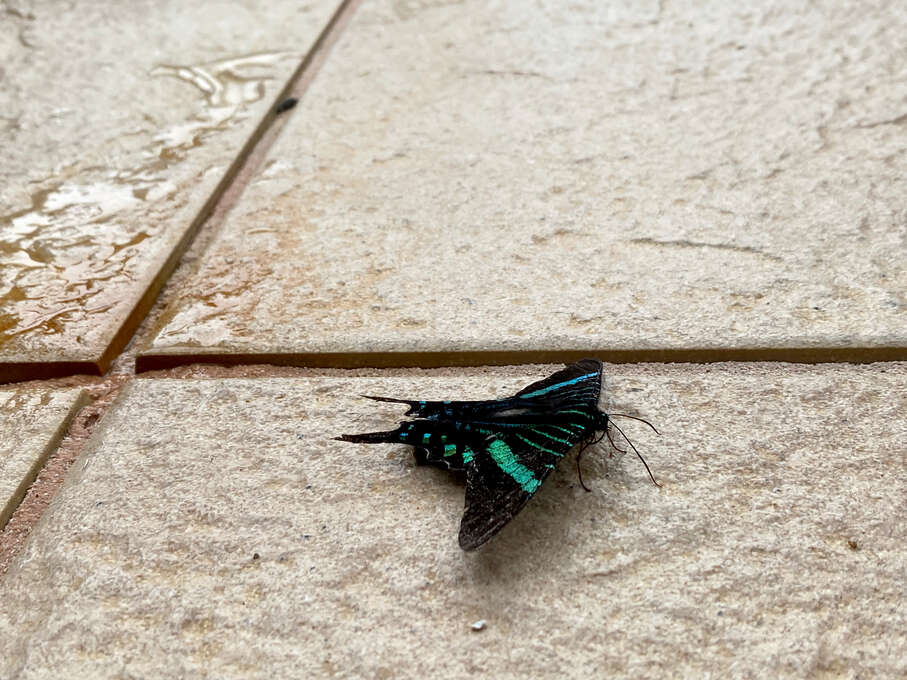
{"x": 425, "y": 456}
{"x": 589, "y": 442}
{"x": 613, "y": 445}
{"x": 579, "y": 470}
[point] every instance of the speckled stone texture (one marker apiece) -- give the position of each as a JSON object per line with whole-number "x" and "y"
{"x": 117, "y": 123}
{"x": 641, "y": 176}
{"x": 32, "y": 421}
{"x": 213, "y": 528}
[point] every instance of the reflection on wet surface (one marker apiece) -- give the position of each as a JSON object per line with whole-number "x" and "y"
{"x": 230, "y": 82}
{"x": 56, "y": 256}
{"x": 227, "y": 85}
{"x": 89, "y": 235}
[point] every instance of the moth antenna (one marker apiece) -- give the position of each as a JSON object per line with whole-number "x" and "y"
{"x": 642, "y": 420}
{"x": 651, "y": 476}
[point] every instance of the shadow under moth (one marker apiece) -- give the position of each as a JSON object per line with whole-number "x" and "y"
{"x": 507, "y": 447}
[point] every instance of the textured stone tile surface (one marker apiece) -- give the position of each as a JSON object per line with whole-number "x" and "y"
{"x": 213, "y": 527}
{"x": 500, "y": 177}
{"x": 117, "y": 123}
{"x": 31, "y": 424}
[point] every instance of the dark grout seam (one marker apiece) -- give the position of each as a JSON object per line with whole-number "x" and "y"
{"x": 38, "y": 464}
{"x": 81, "y": 423}
{"x": 14, "y": 372}
{"x": 804, "y": 355}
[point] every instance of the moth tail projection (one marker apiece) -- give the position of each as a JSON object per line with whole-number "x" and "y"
{"x": 413, "y": 405}
{"x": 390, "y": 436}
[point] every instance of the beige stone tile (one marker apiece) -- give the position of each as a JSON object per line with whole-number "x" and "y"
{"x": 653, "y": 179}
{"x": 32, "y": 421}
{"x": 776, "y": 546}
{"x": 118, "y": 122}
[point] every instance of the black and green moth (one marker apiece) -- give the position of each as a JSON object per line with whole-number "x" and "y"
{"x": 507, "y": 447}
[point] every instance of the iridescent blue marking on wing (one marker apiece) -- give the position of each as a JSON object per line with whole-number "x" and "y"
{"x": 558, "y": 386}
{"x": 510, "y": 465}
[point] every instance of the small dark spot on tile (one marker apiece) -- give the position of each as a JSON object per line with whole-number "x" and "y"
{"x": 286, "y": 105}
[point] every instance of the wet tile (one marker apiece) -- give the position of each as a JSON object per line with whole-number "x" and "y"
{"x": 214, "y": 527}
{"x": 32, "y": 421}
{"x": 117, "y": 125}
{"x": 641, "y": 178}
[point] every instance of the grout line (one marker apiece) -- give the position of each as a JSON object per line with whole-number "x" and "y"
{"x": 806, "y": 355}
{"x": 38, "y": 464}
{"x": 14, "y": 372}
{"x": 48, "y": 481}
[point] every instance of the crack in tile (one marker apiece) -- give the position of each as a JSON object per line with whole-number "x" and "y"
{"x": 684, "y": 243}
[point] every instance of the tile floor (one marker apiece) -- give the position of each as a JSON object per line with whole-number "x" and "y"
{"x": 461, "y": 185}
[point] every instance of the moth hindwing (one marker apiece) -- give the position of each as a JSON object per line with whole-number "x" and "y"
{"x": 507, "y": 447}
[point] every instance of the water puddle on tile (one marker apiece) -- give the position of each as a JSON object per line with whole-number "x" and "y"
{"x": 56, "y": 255}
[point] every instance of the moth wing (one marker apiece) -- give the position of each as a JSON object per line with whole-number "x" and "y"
{"x": 578, "y": 382}
{"x": 584, "y": 378}
{"x": 505, "y": 473}
{"x": 492, "y": 500}
{"x": 488, "y": 510}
